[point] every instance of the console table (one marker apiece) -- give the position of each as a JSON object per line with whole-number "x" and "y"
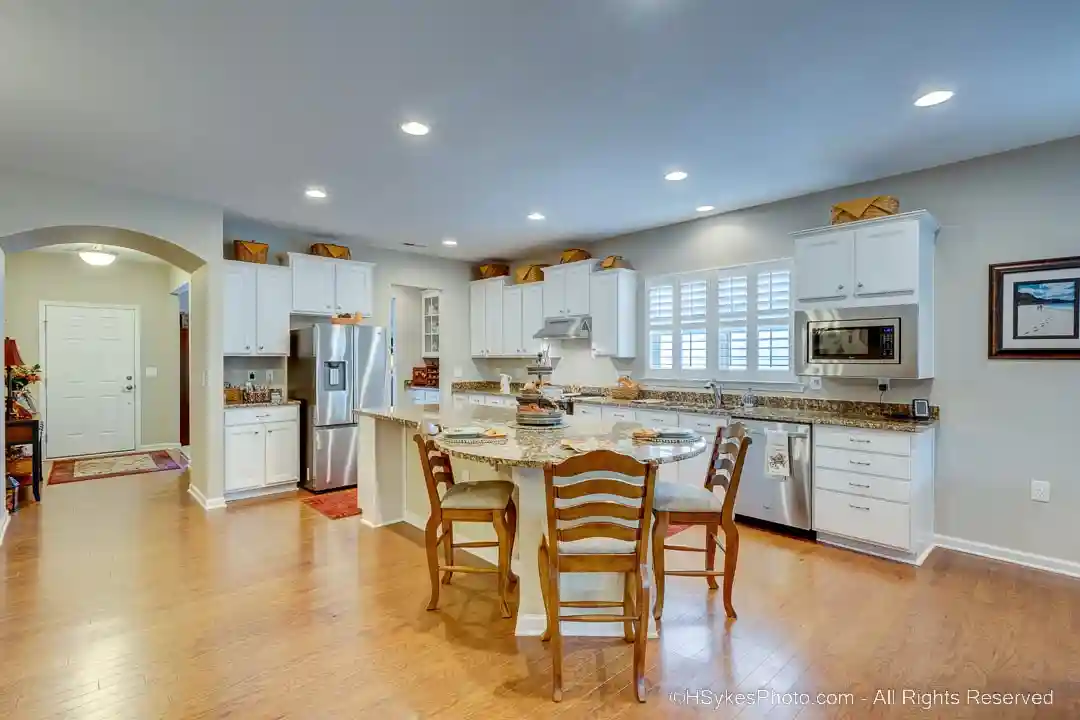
{"x": 28, "y": 432}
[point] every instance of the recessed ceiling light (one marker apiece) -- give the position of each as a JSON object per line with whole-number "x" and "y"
{"x": 415, "y": 128}
{"x": 315, "y": 192}
{"x": 934, "y": 98}
{"x": 97, "y": 256}
{"x": 676, "y": 175}
{"x": 705, "y": 208}
{"x": 449, "y": 242}
{"x": 535, "y": 216}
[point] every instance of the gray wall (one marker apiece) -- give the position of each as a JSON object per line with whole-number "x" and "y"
{"x": 33, "y": 276}
{"x": 1004, "y": 422}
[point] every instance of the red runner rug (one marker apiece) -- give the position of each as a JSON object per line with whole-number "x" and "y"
{"x": 335, "y": 505}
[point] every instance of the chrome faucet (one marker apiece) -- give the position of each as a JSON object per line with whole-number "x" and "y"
{"x": 717, "y": 392}
{"x": 748, "y": 398}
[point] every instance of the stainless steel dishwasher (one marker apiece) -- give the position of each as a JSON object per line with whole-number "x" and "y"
{"x": 781, "y": 500}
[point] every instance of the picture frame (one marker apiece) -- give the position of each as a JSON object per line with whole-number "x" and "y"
{"x": 1034, "y": 310}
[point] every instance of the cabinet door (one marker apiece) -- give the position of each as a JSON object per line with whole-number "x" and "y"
{"x": 532, "y": 317}
{"x": 493, "y": 312}
{"x": 823, "y": 266}
{"x": 554, "y": 292}
{"x": 887, "y": 259}
{"x": 313, "y": 285}
{"x": 282, "y": 453}
{"x": 604, "y": 298}
{"x": 240, "y": 304}
{"x": 692, "y": 471}
{"x": 577, "y": 289}
{"x": 429, "y": 324}
{"x": 511, "y": 326}
{"x": 273, "y": 305}
{"x": 352, "y": 288}
{"x": 245, "y": 457}
{"x": 477, "y": 319}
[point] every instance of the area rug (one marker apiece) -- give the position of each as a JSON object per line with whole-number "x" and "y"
{"x": 95, "y": 468}
{"x": 335, "y": 505}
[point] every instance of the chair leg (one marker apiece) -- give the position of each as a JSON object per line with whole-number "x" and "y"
{"x": 511, "y": 527}
{"x": 629, "y": 591}
{"x": 659, "y": 537}
{"x": 555, "y": 629}
{"x": 504, "y": 560}
{"x": 641, "y": 634}
{"x": 731, "y": 559}
{"x": 710, "y": 552}
{"x": 545, "y": 589}
{"x": 431, "y": 543}
{"x": 448, "y": 549}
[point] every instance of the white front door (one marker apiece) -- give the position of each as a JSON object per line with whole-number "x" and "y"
{"x": 89, "y": 380}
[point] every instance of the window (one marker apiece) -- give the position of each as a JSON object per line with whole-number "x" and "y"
{"x": 732, "y": 323}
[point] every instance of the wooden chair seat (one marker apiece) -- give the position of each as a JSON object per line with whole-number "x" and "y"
{"x": 480, "y": 495}
{"x": 598, "y": 546}
{"x": 679, "y": 497}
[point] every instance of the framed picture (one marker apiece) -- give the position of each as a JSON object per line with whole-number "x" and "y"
{"x": 1035, "y": 309}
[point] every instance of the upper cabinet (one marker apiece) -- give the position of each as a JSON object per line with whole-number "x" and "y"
{"x": 486, "y": 317}
{"x": 884, "y": 261}
{"x": 325, "y": 286}
{"x": 613, "y": 304}
{"x": 532, "y": 317}
{"x": 257, "y": 302}
{"x": 566, "y": 289}
{"x": 429, "y": 319}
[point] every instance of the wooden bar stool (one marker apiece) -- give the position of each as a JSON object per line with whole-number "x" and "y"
{"x": 598, "y": 510}
{"x": 486, "y": 501}
{"x": 688, "y": 505}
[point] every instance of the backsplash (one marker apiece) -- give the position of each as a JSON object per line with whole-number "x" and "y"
{"x": 237, "y": 368}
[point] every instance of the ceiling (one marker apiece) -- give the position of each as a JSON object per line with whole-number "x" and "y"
{"x": 573, "y": 108}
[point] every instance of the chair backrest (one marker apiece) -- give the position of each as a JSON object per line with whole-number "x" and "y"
{"x": 600, "y": 494}
{"x": 726, "y": 465}
{"x": 436, "y": 465}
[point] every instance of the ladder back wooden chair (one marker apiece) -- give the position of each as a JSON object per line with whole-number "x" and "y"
{"x": 484, "y": 501}
{"x": 599, "y": 506}
{"x": 679, "y": 504}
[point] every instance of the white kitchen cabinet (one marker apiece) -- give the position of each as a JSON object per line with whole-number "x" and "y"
{"x": 884, "y": 261}
{"x": 424, "y": 396}
{"x": 493, "y": 315}
{"x": 477, "y": 303}
{"x": 532, "y": 317}
{"x": 613, "y": 302}
{"x": 476, "y": 399}
{"x": 262, "y": 450}
{"x": 693, "y": 470}
{"x": 430, "y": 306}
{"x": 614, "y": 413}
{"x": 461, "y": 401}
{"x": 589, "y": 412}
{"x": 567, "y": 287}
{"x": 257, "y": 302}
{"x": 513, "y": 340}
{"x": 486, "y": 317}
{"x": 874, "y": 491}
{"x": 325, "y": 286}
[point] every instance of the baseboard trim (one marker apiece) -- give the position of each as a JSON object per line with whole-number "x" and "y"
{"x": 4, "y": 522}
{"x": 204, "y": 502}
{"x": 886, "y": 553}
{"x": 263, "y": 492}
{"x": 159, "y": 446}
{"x": 1017, "y": 557}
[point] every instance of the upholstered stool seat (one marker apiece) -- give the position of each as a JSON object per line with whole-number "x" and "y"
{"x": 480, "y": 495}
{"x": 679, "y": 497}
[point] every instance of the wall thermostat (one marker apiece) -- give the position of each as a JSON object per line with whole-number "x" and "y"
{"x": 920, "y": 409}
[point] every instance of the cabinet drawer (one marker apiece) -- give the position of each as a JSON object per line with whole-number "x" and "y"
{"x": 863, "y": 518}
{"x": 476, "y": 399}
{"x": 863, "y": 463}
{"x": 617, "y": 414}
{"x": 431, "y": 397}
{"x": 498, "y": 401}
{"x": 256, "y": 415}
{"x": 704, "y": 424}
{"x": 587, "y": 411}
{"x": 654, "y": 419}
{"x": 891, "y": 443}
{"x": 865, "y": 485}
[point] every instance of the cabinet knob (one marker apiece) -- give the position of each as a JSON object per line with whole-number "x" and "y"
{"x": 839, "y": 287}
{"x": 860, "y": 285}
{"x": 247, "y": 347}
{"x": 262, "y": 347}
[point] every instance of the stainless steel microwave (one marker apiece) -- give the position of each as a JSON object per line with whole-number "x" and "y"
{"x": 868, "y": 342}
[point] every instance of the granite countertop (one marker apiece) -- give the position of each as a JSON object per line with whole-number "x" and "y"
{"x": 236, "y": 406}
{"x": 533, "y": 448}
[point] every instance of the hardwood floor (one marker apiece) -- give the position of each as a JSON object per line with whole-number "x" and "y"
{"x": 122, "y": 599}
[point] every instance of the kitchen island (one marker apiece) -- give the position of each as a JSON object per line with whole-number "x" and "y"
{"x": 391, "y": 481}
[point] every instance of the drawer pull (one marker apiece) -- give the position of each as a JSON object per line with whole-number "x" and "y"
{"x": 858, "y": 462}
{"x": 858, "y": 507}
{"x": 855, "y": 484}
{"x": 858, "y": 440}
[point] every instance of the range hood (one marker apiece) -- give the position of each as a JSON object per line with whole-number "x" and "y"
{"x": 565, "y": 328}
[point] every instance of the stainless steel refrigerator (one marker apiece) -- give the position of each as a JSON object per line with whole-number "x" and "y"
{"x": 335, "y": 370}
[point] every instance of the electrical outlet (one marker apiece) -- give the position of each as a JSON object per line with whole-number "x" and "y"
{"x": 815, "y": 383}
{"x": 251, "y": 376}
{"x": 1040, "y": 491}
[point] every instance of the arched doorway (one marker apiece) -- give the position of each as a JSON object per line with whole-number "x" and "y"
{"x": 206, "y": 360}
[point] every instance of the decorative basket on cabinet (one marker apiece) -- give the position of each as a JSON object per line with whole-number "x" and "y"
{"x": 864, "y": 209}
{"x": 252, "y": 252}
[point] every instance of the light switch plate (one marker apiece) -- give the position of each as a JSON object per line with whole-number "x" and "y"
{"x": 457, "y": 372}
{"x": 1040, "y": 491}
{"x": 269, "y": 376}
{"x": 151, "y": 372}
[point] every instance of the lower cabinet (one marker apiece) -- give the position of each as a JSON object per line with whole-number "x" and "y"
{"x": 262, "y": 449}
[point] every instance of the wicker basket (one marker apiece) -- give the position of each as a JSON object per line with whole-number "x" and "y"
{"x": 612, "y": 262}
{"x": 574, "y": 255}
{"x": 529, "y": 274}
{"x": 252, "y": 252}
{"x": 489, "y": 270}
{"x": 234, "y": 395}
{"x": 347, "y": 319}
{"x": 627, "y": 389}
{"x": 338, "y": 252}
{"x": 864, "y": 209}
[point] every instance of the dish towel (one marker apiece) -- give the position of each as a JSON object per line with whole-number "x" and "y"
{"x": 777, "y": 458}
